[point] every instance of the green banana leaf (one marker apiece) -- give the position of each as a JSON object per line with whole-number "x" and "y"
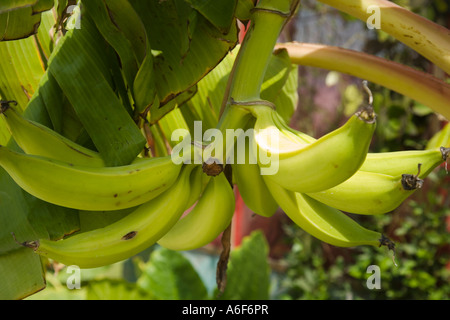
{"x": 219, "y": 12}
{"x": 8, "y": 5}
{"x": 120, "y": 25}
{"x": 20, "y": 19}
{"x": 87, "y": 82}
{"x": 21, "y": 274}
{"x": 184, "y": 46}
{"x": 168, "y": 275}
{"x": 255, "y": 285}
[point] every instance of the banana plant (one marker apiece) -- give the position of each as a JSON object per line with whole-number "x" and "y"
{"x": 93, "y": 91}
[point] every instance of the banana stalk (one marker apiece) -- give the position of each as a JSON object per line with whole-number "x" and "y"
{"x": 424, "y": 36}
{"x": 267, "y": 20}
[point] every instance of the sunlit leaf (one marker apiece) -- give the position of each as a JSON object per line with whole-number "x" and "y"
{"x": 86, "y": 81}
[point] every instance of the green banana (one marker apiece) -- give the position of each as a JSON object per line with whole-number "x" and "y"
{"x": 37, "y": 139}
{"x": 316, "y": 166}
{"x": 396, "y": 163}
{"x": 199, "y": 180}
{"x": 211, "y": 215}
{"x": 87, "y": 188}
{"x": 440, "y": 138}
{"x": 390, "y": 163}
{"x": 125, "y": 237}
{"x": 251, "y": 186}
{"x": 253, "y": 189}
{"x": 324, "y": 222}
{"x": 377, "y": 192}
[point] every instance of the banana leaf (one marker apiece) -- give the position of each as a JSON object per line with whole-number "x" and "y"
{"x": 42, "y": 5}
{"x": 8, "y": 5}
{"x": 20, "y": 19}
{"x": 86, "y": 81}
{"x": 120, "y": 25}
{"x": 219, "y": 12}
{"x": 184, "y": 46}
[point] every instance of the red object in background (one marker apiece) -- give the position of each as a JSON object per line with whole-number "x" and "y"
{"x": 246, "y": 221}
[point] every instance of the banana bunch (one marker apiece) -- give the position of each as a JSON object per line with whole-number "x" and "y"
{"x": 180, "y": 207}
{"x": 320, "y": 179}
{"x": 176, "y": 205}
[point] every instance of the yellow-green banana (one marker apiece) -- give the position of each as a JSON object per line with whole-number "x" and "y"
{"x": 440, "y": 138}
{"x": 394, "y": 162}
{"x": 125, "y": 237}
{"x": 251, "y": 185}
{"x": 320, "y": 165}
{"x": 88, "y": 188}
{"x": 37, "y": 139}
{"x": 199, "y": 180}
{"x": 211, "y": 215}
{"x": 383, "y": 191}
{"x": 398, "y": 162}
{"x": 253, "y": 189}
{"x": 324, "y": 222}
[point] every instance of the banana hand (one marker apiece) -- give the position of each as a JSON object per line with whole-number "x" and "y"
{"x": 396, "y": 162}
{"x": 36, "y": 139}
{"x": 324, "y": 222}
{"x": 211, "y": 215}
{"x": 87, "y": 188}
{"x": 125, "y": 237}
{"x": 316, "y": 166}
{"x": 379, "y": 192}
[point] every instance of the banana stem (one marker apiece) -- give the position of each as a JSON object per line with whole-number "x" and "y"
{"x": 267, "y": 20}
{"x": 422, "y": 35}
{"x": 417, "y": 85}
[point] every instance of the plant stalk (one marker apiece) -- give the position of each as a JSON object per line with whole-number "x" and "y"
{"x": 267, "y": 20}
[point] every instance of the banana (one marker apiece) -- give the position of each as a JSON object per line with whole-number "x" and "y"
{"x": 125, "y": 237}
{"x": 440, "y": 138}
{"x": 251, "y": 186}
{"x": 199, "y": 181}
{"x": 312, "y": 167}
{"x": 87, "y": 188}
{"x": 391, "y": 163}
{"x": 396, "y": 163}
{"x": 37, "y": 139}
{"x": 371, "y": 193}
{"x": 253, "y": 189}
{"x": 211, "y": 215}
{"x": 324, "y": 222}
